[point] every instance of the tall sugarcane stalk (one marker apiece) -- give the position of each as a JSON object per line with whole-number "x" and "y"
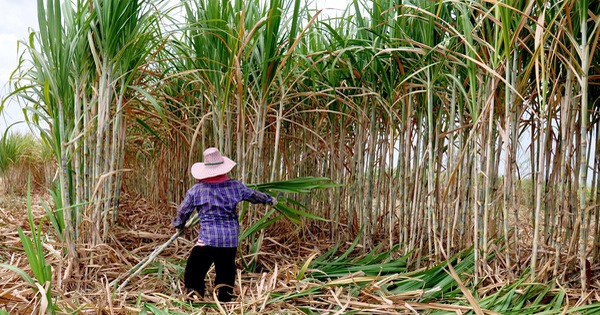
{"x": 399, "y": 101}
{"x": 583, "y": 163}
{"x": 508, "y": 158}
{"x": 541, "y": 84}
{"x": 429, "y": 206}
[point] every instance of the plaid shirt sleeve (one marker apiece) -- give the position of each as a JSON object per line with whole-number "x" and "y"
{"x": 216, "y": 205}
{"x": 255, "y": 196}
{"x": 185, "y": 210}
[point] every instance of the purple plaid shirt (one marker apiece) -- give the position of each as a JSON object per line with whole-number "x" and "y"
{"x": 216, "y": 204}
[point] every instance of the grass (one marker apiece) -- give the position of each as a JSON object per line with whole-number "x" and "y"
{"x": 310, "y": 277}
{"x": 22, "y": 154}
{"x": 286, "y": 95}
{"x": 279, "y": 274}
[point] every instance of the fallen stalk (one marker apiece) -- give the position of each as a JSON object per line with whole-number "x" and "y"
{"x": 131, "y": 273}
{"x": 297, "y": 185}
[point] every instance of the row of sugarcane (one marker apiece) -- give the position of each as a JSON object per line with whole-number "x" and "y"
{"x": 431, "y": 115}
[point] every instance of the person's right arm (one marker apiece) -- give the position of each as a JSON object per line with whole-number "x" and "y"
{"x": 184, "y": 211}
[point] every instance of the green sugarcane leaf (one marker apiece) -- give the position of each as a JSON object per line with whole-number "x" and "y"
{"x": 302, "y": 270}
{"x": 152, "y": 101}
{"x": 297, "y": 185}
{"x": 295, "y": 214}
{"x": 288, "y": 213}
{"x": 155, "y": 310}
{"x": 19, "y": 272}
{"x": 31, "y": 254}
{"x": 56, "y": 219}
{"x": 262, "y": 223}
{"x": 150, "y": 130}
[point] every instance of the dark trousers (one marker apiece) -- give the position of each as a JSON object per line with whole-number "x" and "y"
{"x": 200, "y": 260}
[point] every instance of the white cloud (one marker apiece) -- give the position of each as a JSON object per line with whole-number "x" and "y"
{"x": 18, "y": 18}
{"x": 330, "y": 8}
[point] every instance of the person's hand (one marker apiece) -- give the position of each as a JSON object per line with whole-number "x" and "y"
{"x": 275, "y": 200}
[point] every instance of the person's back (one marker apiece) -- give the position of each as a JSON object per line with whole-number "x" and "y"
{"x": 215, "y": 197}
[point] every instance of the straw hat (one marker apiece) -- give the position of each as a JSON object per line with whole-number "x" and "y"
{"x": 214, "y": 164}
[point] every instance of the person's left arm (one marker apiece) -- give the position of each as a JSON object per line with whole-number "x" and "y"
{"x": 255, "y": 196}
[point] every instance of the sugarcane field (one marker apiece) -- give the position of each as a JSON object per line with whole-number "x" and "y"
{"x": 300, "y": 157}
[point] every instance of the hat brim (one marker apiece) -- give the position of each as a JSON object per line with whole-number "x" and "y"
{"x": 201, "y": 170}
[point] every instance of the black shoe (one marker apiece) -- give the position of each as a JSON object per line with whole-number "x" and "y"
{"x": 227, "y": 298}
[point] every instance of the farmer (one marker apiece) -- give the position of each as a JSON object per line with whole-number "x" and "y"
{"x": 215, "y": 197}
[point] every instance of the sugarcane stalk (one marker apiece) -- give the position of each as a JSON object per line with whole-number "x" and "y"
{"x": 508, "y": 162}
{"x": 429, "y": 212}
{"x": 513, "y": 152}
{"x": 451, "y": 220}
{"x": 583, "y": 162}
{"x": 133, "y": 272}
{"x": 476, "y": 217}
{"x": 543, "y": 118}
{"x": 111, "y": 204}
{"x": 488, "y": 183}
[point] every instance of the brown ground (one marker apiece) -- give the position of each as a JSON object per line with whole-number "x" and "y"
{"x": 86, "y": 284}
